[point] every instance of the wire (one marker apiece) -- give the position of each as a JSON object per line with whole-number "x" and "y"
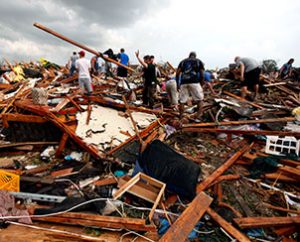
{"x": 81, "y": 204}
{"x": 73, "y": 183}
{"x": 204, "y": 232}
{"x": 57, "y": 213}
{"x": 132, "y": 232}
{"x": 232, "y": 239}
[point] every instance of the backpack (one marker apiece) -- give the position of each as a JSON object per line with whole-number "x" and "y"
{"x": 190, "y": 69}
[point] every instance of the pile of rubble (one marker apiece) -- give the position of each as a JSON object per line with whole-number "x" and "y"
{"x": 116, "y": 170}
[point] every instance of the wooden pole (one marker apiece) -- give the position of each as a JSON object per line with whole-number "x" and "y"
{"x": 50, "y": 31}
{"x": 180, "y": 230}
{"x": 242, "y": 132}
{"x": 241, "y": 122}
{"x": 132, "y": 120}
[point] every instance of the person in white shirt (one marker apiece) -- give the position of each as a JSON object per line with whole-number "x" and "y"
{"x": 83, "y": 67}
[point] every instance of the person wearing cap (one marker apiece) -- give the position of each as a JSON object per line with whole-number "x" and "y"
{"x": 249, "y": 70}
{"x": 123, "y": 59}
{"x": 83, "y": 66}
{"x": 150, "y": 80}
{"x": 190, "y": 70}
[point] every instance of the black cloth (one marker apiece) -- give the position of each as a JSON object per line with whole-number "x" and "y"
{"x": 121, "y": 71}
{"x": 150, "y": 75}
{"x": 191, "y": 69}
{"x": 110, "y": 54}
{"x": 252, "y": 78}
{"x": 163, "y": 163}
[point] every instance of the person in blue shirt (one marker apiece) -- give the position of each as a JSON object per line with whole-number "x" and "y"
{"x": 208, "y": 79}
{"x": 123, "y": 59}
{"x": 287, "y": 69}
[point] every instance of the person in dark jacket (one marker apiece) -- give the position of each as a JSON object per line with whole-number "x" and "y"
{"x": 190, "y": 71}
{"x": 150, "y": 80}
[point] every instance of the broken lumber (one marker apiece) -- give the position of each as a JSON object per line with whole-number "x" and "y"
{"x": 80, "y": 46}
{"x": 180, "y": 230}
{"x": 62, "y": 145}
{"x": 219, "y": 171}
{"x": 227, "y": 226}
{"x": 84, "y": 219}
{"x": 43, "y": 111}
{"x": 12, "y": 117}
{"x": 242, "y": 122}
{"x": 243, "y": 99}
{"x": 242, "y": 132}
{"x": 263, "y": 222}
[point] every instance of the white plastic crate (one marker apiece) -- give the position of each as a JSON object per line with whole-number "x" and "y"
{"x": 280, "y": 146}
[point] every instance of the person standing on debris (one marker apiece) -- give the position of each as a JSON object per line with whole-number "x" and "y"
{"x": 249, "y": 75}
{"x": 191, "y": 71}
{"x": 94, "y": 65}
{"x": 171, "y": 88}
{"x": 83, "y": 66}
{"x": 287, "y": 69}
{"x": 150, "y": 80}
{"x": 72, "y": 62}
{"x": 123, "y": 59}
{"x": 108, "y": 66}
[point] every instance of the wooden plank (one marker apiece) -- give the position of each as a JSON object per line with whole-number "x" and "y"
{"x": 105, "y": 181}
{"x": 219, "y": 171}
{"x": 281, "y": 209}
{"x": 62, "y": 172}
{"x": 127, "y": 186}
{"x": 290, "y": 171}
{"x": 180, "y": 230}
{"x": 98, "y": 221}
{"x": 13, "y": 117}
{"x": 229, "y": 177}
{"x": 227, "y": 226}
{"x": 43, "y": 111}
{"x": 62, "y": 145}
{"x": 243, "y": 100}
{"x": 143, "y": 134}
{"x": 242, "y": 122}
{"x": 280, "y": 177}
{"x": 264, "y": 222}
{"x": 140, "y": 189}
{"x": 97, "y": 53}
{"x": 158, "y": 198}
{"x": 242, "y": 132}
{"x": 4, "y": 146}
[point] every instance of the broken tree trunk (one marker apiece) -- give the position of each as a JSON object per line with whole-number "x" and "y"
{"x": 80, "y": 45}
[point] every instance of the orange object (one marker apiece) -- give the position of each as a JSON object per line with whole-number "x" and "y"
{"x": 9, "y": 181}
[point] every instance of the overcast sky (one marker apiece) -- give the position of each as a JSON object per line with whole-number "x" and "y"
{"x": 217, "y": 30}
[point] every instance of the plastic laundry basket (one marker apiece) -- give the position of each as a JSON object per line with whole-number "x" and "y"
{"x": 9, "y": 181}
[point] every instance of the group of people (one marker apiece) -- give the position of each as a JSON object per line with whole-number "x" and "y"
{"x": 86, "y": 68}
{"x": 188, "y": 80}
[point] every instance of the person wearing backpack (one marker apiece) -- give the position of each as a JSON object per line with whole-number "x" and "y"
{"x": 191, "y": 73}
